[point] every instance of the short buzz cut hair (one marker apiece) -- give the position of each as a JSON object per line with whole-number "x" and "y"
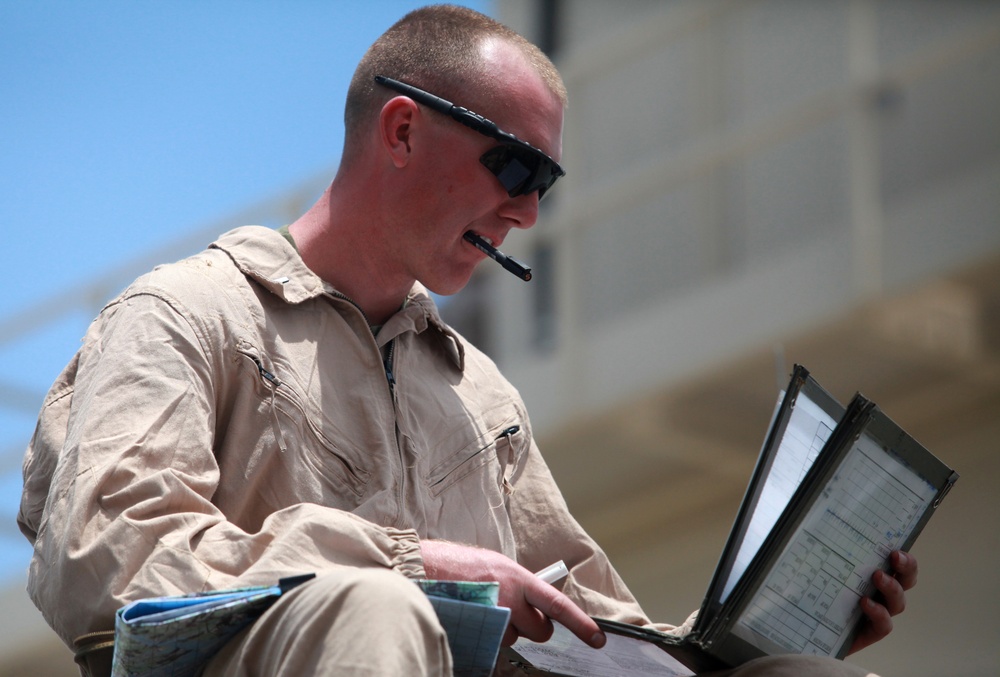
{"x": 438, "y": 48}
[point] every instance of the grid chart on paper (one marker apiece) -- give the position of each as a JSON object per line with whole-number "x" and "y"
{"x": 472, "y": 635}
{"x": 813, "y": 445}
{"x": 863, "y": 516}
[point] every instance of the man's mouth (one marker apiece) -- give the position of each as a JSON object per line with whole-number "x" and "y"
{"x": 486, "y": 239}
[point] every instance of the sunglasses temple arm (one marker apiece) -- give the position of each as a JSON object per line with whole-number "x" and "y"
{"x": 508, "y": 262}
{"x": 465, "y": 116}
{"x": 459, "y": 114}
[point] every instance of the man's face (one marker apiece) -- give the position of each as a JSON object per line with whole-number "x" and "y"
{"x": 458, "y": 193}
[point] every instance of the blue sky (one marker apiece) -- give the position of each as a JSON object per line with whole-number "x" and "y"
{"x": 125, "y": 125}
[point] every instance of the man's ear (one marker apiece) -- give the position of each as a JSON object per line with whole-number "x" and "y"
{"x": 395, "y": 127}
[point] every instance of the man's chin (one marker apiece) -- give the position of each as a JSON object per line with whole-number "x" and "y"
{"x": 447, "y": 286}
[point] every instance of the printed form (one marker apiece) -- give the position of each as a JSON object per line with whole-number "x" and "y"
{"x": 809, "y": 601}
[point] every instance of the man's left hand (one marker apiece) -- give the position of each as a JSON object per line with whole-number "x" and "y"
{"x": 891, "y": 600}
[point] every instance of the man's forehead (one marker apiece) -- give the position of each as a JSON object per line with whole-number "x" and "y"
{"x": 520, "y": 101}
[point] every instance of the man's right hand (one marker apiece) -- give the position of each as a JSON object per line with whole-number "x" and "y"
{"x": 532, "y": 603}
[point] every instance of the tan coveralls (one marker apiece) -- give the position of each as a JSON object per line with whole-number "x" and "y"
{"x": 231, "y": 419}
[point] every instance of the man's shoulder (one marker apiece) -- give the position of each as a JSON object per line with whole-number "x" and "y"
{"x": 205, "y": 278}
{"x": 224, "y": 272}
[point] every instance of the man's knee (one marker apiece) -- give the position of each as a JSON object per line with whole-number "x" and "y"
{"x": 348, "y": 621}
{"x": 379, "y": 596}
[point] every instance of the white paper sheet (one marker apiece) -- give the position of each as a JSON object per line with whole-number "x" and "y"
{"x": 808, "y": 428}
{"x": 621, "y": 657}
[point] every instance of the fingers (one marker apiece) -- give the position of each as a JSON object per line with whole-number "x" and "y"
{"x": 892, "y": 595}
{"x": 893, "y": 587}
{"x": 532, "y": 602}
{"x": 527, "y": 621}
{"x": 557, "y": 606}
{"x": 509, "y": 636}
{"x": 879, "y": 625}
{"x": 904, "y": 565}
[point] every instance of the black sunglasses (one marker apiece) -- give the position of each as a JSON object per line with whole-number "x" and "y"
{"x": 519, "y": 167}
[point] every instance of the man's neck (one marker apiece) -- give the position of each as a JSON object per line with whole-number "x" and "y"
{"x": 339, "y": 248}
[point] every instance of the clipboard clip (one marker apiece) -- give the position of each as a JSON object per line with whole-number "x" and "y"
{"x": 944, "y": 492}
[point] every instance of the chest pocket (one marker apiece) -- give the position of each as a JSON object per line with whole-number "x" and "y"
{"x": 299, "y": 437}
{"x": 493, "y": 457}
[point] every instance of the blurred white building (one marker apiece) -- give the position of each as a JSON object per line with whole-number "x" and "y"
{"x": 752, "y": 184}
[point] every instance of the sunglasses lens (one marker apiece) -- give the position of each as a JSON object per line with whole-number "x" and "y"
{"x": 514, "y": 174}
{"x": 520, "y": 170}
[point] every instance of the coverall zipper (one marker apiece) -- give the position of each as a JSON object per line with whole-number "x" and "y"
{"x": 390, "y": 376}
{"x": 273, "y": 383}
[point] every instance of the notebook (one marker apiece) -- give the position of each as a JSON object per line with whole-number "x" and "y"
{"x": 835, "y": 490}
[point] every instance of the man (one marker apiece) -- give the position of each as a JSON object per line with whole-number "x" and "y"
{"x": 290, "y": 402}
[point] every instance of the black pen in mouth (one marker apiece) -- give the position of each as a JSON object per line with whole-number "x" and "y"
{"x": 508, "y": 262}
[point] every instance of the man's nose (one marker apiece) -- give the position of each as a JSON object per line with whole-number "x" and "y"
{"x": 522, "y": 210}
